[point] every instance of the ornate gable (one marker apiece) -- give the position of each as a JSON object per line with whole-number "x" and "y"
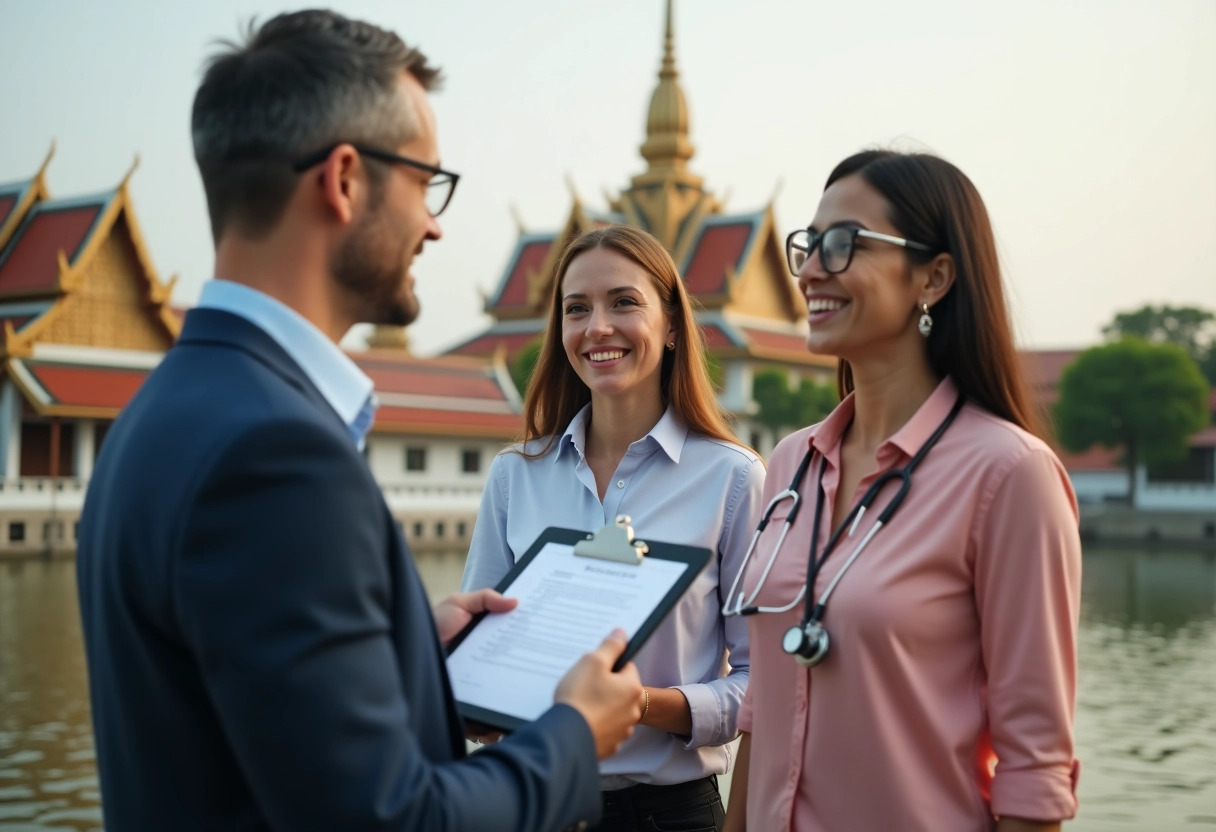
{"x": 86, "y": 259}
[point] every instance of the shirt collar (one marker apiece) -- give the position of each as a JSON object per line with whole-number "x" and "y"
{"x": 347, "y": 388}
{"x": 669, "y": 433}
{"x": 827, "y": 434}
{"x": 909, "y": 438}
{"x": 917, "y": 430}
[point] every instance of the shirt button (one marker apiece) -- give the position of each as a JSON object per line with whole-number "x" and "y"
{"x": 620, "y": 483}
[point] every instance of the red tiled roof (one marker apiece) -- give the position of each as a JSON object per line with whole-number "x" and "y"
{"x": 75, "y": 385}
{"x": 474, "y": 382}
{"x": 1044, "y": 367}
{"x": 775, "y": 340}
{"x": 6, "y": 206}
{"x": 17, "y": 321}
{"x": 515, "y": 287}
{"x": 484, "y": 345}
{"x": 716, "y": 338}
{"x": 430, "y": 377}
{"x": 1206, "y": 438}
{"x": 718, "y": 247}
{"x": 31, "y": 260}
{"x": 1096, "y": 458}
{"x": 415, "y": 418}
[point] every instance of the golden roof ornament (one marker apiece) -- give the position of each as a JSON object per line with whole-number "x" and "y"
{"x": 667, "y": 145}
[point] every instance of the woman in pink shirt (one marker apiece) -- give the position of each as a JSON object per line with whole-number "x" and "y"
{"x": 926, "y": 677}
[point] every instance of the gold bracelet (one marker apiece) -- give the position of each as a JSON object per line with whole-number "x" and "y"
{"x": 646, "y": 705}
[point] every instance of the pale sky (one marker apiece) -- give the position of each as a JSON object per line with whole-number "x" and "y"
{"x": 1089, "y": 126}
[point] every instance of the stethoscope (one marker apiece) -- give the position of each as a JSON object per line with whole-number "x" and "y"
{"x": 808, "y": 641}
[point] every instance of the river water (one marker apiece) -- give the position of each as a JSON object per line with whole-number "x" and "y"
{"x": 1146, "y": 711}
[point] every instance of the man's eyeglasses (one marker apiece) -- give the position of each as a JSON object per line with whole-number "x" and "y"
{"x": 439, "y": 189}
{"x": 835, "y": 246}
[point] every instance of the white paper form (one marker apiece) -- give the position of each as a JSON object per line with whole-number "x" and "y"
{"x": 511, "y": 662}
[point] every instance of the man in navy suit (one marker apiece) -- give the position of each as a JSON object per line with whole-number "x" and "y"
{"x": 261, "y": 651}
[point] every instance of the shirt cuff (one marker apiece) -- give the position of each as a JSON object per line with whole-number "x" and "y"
{"x": 708, "y": 720}
{"x": 1046, "y": 794}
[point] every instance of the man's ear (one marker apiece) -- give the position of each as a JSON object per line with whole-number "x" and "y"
{"x": 342, "y": 182}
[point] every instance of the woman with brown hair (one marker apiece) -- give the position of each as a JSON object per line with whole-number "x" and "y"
{"x": 914, "y": 623}
{"x": 621, "y": 418}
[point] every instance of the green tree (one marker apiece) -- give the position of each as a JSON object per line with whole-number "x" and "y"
{"x": 524, "y": 363}
{"x": 1146, "y": 399}
{"x": 780, "y": 406}
{"x": 1188, "y": 327}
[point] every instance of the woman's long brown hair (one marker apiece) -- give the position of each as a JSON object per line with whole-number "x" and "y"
{"x": 555, "y": 392}
{"x": 934, "y": 202}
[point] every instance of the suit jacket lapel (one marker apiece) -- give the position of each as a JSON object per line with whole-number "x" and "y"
{"x": 213, "y": 327}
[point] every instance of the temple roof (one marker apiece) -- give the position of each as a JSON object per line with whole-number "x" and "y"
{"x": 29, "y": 264}
{"x": 719, "y": 249}
{"x": 440, "y": 396}
{"x": 528, "y": 258}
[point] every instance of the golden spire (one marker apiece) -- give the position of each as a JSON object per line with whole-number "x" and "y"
{"x": 667, "y": 145}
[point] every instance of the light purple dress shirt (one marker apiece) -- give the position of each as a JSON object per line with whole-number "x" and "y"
{"x": 677, "y": 487}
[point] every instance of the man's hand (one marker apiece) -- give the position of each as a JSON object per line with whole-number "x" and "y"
{"x": 610, "y": 702}
{"x": 455, "y": 611}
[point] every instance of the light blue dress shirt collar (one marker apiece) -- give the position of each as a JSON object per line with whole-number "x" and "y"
{"x": 339, "y": 380}
{"x": 669, "y": 433}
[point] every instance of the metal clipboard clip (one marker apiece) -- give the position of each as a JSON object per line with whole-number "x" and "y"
{"x": 613, "y": 542}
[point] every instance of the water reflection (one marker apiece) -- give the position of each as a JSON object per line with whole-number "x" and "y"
{"x": 48, "y": 777}
{"x": 1146, "y": 716}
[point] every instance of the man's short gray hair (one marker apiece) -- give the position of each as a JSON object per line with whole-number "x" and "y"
{"x": 301, "y": 82}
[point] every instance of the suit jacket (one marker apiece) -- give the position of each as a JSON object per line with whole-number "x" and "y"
{"x": 261, "y": 650}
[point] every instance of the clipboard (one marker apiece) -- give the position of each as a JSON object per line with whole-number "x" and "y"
{"x": 482, "y": 678}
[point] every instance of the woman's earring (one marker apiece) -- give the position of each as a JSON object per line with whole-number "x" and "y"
{"x": 925, "y": 324}
{"x": 671, "y": 345}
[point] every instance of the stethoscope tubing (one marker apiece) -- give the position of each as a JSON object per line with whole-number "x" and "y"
{"x": 850, "y": 522}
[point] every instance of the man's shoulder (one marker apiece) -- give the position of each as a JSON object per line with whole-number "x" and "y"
{"x": 204, "y": 399}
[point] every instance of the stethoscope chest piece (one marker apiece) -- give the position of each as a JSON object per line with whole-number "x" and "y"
{"x": 807, "y": 643}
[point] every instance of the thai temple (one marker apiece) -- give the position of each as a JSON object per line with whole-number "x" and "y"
{"x": 733, "y": 263}
{"x": 86, "y": 317}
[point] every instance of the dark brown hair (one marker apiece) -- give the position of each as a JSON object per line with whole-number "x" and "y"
{"x": 934, "y": 202}
{"x": 301, "y": 82}
{"x": 555, "y": 392}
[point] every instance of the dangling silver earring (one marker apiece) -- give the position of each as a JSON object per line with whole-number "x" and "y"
{"x": 925, "y": 324}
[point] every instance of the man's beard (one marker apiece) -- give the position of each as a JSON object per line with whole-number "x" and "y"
{"x": 377, "y": 284}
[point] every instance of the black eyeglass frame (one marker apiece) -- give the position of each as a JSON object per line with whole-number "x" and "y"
{"x": 313, "y": 159}
{"x": 855, "y": 232}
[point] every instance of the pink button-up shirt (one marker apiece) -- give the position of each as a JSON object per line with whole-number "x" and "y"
{"x": 947, "y": 695}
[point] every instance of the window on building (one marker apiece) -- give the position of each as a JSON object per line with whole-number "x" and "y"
{"x": 470, "y": 460}
{"x": 1196, "y": 469}
{"x": 417, "y": 531}
{"x": 462, "y": 528}
{"x": 37, "y": 452}
{"x": 439, "y": 529}
{"x": 415, "y": 459}
{"x": 16, "y": 532}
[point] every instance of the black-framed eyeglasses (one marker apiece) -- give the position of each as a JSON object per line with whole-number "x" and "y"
{"x": 835, "y": 246}
{"x": 439, "y": 189}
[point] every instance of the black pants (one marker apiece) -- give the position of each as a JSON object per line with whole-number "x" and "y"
{"x": 683, "y": 807}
